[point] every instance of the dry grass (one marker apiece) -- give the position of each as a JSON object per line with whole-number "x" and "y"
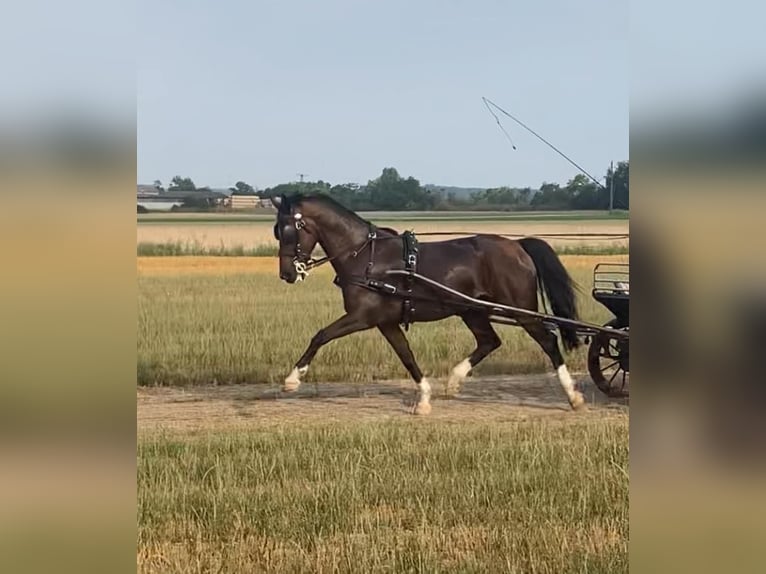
{"x": 153, "y": 266}
{"x": 230, "y": 320}
{"x": 249, "y": 235}
{"x": 398, "y": 496}
{"x": 175, "y": 266}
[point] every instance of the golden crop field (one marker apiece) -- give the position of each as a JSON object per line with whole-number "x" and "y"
{"x": 257, "y": 233}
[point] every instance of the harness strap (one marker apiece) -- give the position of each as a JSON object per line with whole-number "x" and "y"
{"x": 353, "y": 251}
{"x": 410, "y": 248}
{"x": 410, "y": 257}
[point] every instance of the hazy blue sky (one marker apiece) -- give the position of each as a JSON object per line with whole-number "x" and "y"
{"x": 339, "y": 89}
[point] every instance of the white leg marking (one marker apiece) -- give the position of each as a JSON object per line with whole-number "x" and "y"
{"x": 575, "y": 397}
{"x": 423, "y": 406}
{"x": 458, "y": 375}
{"x": 293, "y": 380}
{"x": 463, "y": 368}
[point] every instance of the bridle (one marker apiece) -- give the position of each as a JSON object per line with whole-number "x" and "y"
{"x": 304, "y": 263}
{"x": 301, "y": 260}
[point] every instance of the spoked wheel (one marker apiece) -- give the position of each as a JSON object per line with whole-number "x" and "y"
{"x": 608, "y": 364}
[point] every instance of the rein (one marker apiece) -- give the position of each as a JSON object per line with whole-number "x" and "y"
{"x": 353, "y": 251}
{"x": 303, "y": 267}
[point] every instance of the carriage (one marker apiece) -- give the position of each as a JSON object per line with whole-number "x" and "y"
{"x": 608, "y": 355}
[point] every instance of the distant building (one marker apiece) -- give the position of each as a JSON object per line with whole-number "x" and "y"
{"x": 148, "y": 190}
{"x": 243, "y": 201}
{"x": 152, "y": 199}
{"x": 237, "y": 201}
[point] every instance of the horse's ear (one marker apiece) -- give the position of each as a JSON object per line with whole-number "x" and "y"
{"x": 276, "y": 200}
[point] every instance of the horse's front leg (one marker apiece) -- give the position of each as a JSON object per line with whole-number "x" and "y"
{"x": 344, "y": 326}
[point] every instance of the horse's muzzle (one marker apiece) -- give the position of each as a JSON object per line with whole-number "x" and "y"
{"x": 288, "y": 277}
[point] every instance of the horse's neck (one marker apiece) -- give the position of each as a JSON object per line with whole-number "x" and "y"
{"x": 339, "y": 234}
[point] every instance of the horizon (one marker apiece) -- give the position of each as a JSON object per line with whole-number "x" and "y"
{"x": 437, "y": 185}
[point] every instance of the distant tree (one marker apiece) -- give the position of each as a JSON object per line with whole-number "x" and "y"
{"x": 179, "y": 183}
{"x": 502, "y": 197}
{"x": 158, "y": 185}
{"x": 318, "y": 187}
{"x": 525, "y": 195}
{"x": 392, "y": 192}
{"x": 242, "y": 188}
{"x": 584, "y": 193}
{"x": 551, "y": 196}
{"x": 621, "y": 186}
{"x": 282, "y": 189}
{"x": 347, "y": 194}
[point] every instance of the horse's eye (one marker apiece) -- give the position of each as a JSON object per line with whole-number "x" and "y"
{"x": 276, "y": 231}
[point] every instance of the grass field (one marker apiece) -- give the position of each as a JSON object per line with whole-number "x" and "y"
{"x": 408, "y": 495}
{"x": 231, "y": 479}
{"x": 231, "y": 320}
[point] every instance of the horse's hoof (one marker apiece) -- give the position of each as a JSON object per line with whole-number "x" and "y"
{"x": 293, "y": 380}
{"x": 453, "y": 386}
{"x": 457, "y": 377}
{"x": 422, "y": 409}
{"x": 290, "y": 386}
{"x": 577, "y": 401}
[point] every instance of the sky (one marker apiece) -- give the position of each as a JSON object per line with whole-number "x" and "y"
{"x": 260, "y": 91}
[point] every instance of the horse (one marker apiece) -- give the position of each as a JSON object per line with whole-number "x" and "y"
{"x": 484, "y": 266}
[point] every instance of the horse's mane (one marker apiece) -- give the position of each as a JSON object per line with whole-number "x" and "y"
{"x": 331, "y": 203}
{"x": 337, "y": 207}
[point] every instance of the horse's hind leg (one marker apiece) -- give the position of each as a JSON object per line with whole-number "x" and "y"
{"x": 549, "y": 342}
{"x": 486, "y": 342}
{"x": 395, "y": 337}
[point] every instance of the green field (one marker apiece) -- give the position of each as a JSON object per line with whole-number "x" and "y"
{"x": 231, "y": 320}
{"x": 408, "y": 495}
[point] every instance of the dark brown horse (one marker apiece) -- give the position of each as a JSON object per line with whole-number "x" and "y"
{"x": 486, "y": 267}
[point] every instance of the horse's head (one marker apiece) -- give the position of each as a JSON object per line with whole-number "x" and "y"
{"x": 297, "y": 239}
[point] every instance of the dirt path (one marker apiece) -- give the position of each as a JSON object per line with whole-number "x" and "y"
{"x": 498, "y": 398}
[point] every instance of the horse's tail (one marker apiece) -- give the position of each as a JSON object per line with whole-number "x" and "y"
{"x": 555, "y": 282}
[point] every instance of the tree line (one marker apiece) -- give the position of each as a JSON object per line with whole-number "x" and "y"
{"x": 179, "y": 183}
{"x": 392, "y": 192}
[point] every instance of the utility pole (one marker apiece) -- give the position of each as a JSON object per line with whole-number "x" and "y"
{"x": 611, "y": 188}
{"x": 301, "y": 175}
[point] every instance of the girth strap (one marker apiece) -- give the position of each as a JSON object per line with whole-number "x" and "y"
{"x": 410, "y": 248}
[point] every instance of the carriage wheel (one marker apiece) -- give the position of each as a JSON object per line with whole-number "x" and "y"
{"x": 608, "y": 364}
